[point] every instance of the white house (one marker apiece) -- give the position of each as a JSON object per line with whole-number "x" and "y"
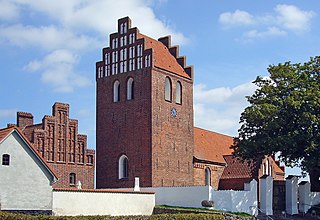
{"x": 25, "y": 178}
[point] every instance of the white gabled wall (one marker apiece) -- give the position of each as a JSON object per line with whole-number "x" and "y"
{"x": 25, "y": 183}
{"x": 72, "y": 203}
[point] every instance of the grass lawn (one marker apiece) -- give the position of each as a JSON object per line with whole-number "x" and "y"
{"x": 174, "y": 213}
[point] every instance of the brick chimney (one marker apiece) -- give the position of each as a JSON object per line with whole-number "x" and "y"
{"x": 24, "y": 119}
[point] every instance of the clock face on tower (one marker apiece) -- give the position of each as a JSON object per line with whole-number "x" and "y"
{"x": 174, "y": 112}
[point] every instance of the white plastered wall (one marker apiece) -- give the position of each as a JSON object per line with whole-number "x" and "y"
{"x": 25, "y": 183}
{"x": 72, "y": 203}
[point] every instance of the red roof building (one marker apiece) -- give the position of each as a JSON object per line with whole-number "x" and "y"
{"x": 145, "y": 125}
{"x": 213, "y": 155}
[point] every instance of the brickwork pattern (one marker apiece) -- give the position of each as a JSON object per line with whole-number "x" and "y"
{"x": 123, "y": 128}
{"x": 172, "y": 136}
{"x": 58, "y": 142}
{"x": 199, "y": 174}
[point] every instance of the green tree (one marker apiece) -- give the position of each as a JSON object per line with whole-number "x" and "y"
{"x": 283, "y": 116}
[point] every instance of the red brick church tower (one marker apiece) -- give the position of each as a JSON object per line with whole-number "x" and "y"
{"x": 144, "y": 112}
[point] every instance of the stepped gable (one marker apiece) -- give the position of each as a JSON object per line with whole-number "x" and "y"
{"x": 167, "y": 57}
{"x": 163, "y": 55}
{"x": 211, "y": 146}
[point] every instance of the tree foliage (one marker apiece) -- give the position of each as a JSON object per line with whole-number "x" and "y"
{"x": 283, "y": 116}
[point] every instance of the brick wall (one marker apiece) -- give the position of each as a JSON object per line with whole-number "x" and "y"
{"x": 172, "y": 137}
{"x": 84, "y": 174}
{"x": 58, "y": 142}
{"x": 124, "y": 128}
{"x": 199, "y": 174}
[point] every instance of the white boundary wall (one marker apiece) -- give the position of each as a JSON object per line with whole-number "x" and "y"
{"x": 102, "y": 202}
{"x": 192, "y": 196}
{"x": 237, "y": 201}
{"x": 184, "y": 196}
{"x": 306, "y": 197}
{"x": 292, "y": 195}
{"x": 266, "y": 195}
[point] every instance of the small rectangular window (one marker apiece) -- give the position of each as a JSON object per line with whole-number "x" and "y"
{"x": 140, "y": 50}
{"x": 139, "y": 63}
{"x": 72, "y": 179}
{"x": 132, "y": 38}
{"x": 107, "y": 58}
{"x": 6, "y": 159}
{"x": 114, "y": 43}
{"x": 131, "y": 65}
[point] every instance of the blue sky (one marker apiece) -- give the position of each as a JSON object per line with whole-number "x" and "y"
{"x": 49, "y": 49}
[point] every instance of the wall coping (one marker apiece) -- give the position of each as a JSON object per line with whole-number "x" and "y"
{"x": 101, "y": 191}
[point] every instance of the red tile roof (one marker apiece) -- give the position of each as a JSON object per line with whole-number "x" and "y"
{"x": 6, "y": 131}
{"x": 237, "y": 168}
{"x": 211, "y": 146}
{"x": 162, "y": 56}
{"x": 237, "y": 172}
{"x": 277, "y": 168}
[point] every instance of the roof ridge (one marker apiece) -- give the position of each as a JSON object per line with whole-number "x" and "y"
{"x": 212, "y": 132}
{"x": 25, "y": 139}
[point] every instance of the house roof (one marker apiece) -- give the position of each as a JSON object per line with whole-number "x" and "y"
{"x": 162, "y": 57}
{"x": 276, "y": 167}
{"x": 211, "y": 146}
{"x": 236, "y": 168}
{"x": 5, "y": 132}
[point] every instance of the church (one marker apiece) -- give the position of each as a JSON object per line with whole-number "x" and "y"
{"x": 145, "y": 125}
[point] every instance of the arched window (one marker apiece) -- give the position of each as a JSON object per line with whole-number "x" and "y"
{"x": 207, "y": 177}
{"x": 167, "y": 89}
{"x": 130, "y": 89}
{"x": 123, "y": 167}
{"x": 6, "y": 159}
{"x": 178, "y": 93}
{"x": 72, "y": 179}
{"x": 116, "y": 91}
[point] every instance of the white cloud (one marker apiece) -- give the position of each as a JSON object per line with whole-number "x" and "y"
{"x": 90, "y": 16}
{"x": 284, "y": 19}
{"x": 46, "y": 37}
{"x": 8, "y": 10}
{"x": 271, "y": 31}
{"x": 75, "y": 26}
{"x": 219, "y": 109}
{"x": 237, "y": 18}
{"x": 293, "y": 18}
{"x": 57, "y": 70}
